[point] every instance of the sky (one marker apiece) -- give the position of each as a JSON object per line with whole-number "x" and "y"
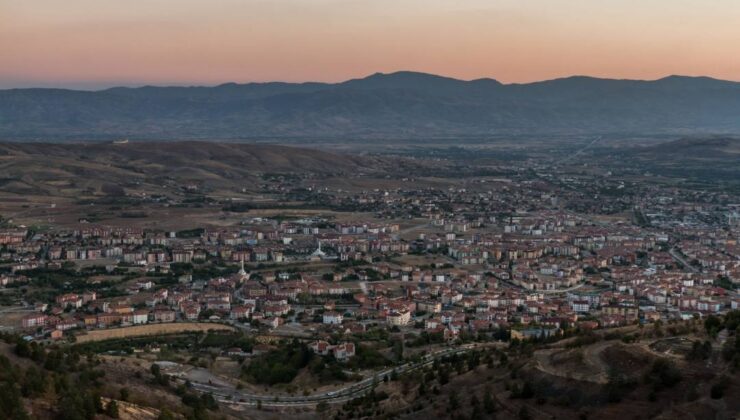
{"x": 93, "y": 44}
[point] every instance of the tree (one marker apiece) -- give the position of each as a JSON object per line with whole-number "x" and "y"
{"x": 11, "y": 406}
{"x": 527, "y": 391}
{"x": 489, "y": 406}
{"x": 22, "y": 349}
{"x": 712, "y": 325}
{"x": 663, "y": 374}
{"x": 165, "y": 414}
{"x": 34, "y": 382}
{"x": 322, "y": 407}
{"x": 76, "y": 405}
{"x": 700, "y": 351}
{"x": 454, "y": 403}
{"x": 124, "y": 393}
{"x": 422, "y": 388}
{"x": 617, "y": 386}
{"x": 163, "y": 380}
{"x": 718, "y": 390}
{"x": 524, "y": 413}
{"x": 209, "y": 402}
{"x": 112, "y": 409}
{"x": 444, "y": 375}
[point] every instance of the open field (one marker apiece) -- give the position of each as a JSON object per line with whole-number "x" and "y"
{"x": 151, "y": 329}
{"x": 130, "y": 411}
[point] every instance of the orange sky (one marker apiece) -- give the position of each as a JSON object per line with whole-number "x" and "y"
{"x": 96, "y": 43}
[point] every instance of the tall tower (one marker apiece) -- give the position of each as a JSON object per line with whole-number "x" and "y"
{"x": 319, "y": 253}
{"x": 243, "y": 273}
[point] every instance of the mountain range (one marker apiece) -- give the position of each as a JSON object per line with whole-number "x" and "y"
{"x": 404, "y": 105}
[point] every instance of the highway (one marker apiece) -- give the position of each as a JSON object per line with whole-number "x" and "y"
{"x": 578, "y": 152}
{"x": 230, "y": 395}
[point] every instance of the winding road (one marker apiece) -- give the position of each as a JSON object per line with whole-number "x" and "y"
{"x": 230, "y": 395}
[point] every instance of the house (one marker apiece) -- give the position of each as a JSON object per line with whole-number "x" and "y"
{"x": 277, "y": 310}
{"x": 190, "y": 310}
{"x": 157, "y": 297}
{"x": 144, "y": 284}
{"x": 432, "y": 323}
{"x": 240, "y": 312}
{"x": 218, "y": 304}
{"x": 67, "y": 324}
{"x": 89, "y": 297}
{"x": 89, "y": 320}
{"x": 69, "y": 300}
{"x": 430, "y": 306}
{"x": 105, "y": 320}
{"x": 331, "y": 317}
{"x": 34, "y": 320}
{"x": 164, "y": 315}
{"x": 630, "y": 313}
{"x": 273, "y": 322}
{"x": 182, "y": 256}
{"x": 580, "y": 306}
{"x": 341, "y": 352}
{"x": 398, "y": 318}
{"x": 236, "y": 352}
{"x": 140, "y": 317}
{"x": 320, "y": 347}
{"x": 532, "y": 333}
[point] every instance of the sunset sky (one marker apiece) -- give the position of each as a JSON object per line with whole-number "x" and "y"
{"x": 99, "y": 43}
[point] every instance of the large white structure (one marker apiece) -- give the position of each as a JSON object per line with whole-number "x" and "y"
{"x": 319, "y": 253}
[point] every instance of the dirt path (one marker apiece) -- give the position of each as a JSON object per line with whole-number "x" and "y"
{"x": 591, "y": 367}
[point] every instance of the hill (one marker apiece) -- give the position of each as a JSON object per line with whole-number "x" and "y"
{"x": 723, "y": 149}
{"x": 55, "y": 169}
{"x": 712, "y": 162}
{"x": 398, "y": 105}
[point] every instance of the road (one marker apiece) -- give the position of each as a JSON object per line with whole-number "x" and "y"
{"x": 566, "y": 290}
{"x": 579, "y": 152}
{"x": 406, "y": 233}
{"x": 231, "y": 395}
{"x": 553, "y": 291}
{"x": 676, "y": 256}
{"x": 412, "y": 228}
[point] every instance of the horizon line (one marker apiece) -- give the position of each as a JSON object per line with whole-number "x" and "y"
{"x": 103, "y": 86}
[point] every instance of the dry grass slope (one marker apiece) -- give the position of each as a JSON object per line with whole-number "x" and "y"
{"x": 150, "y": 329}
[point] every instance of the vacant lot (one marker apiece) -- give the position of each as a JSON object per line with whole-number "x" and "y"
{"x": 151, "y": 329}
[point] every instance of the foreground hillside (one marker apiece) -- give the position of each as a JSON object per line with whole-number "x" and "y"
{"x": 683, "y": 370}
{"x": 398, "y": 105}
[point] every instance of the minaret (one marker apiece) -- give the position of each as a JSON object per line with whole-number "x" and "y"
{"x": 319, "y": 253}
{"x": 242, "y": 273}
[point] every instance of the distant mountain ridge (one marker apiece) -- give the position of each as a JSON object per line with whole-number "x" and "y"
{"x": 396, "y": 105}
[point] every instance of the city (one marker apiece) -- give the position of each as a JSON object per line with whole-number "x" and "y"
{"x": 366, "y": 285}
{"x": 369, "y": 209}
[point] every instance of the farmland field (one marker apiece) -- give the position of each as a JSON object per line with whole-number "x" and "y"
{"x": 151, "y": 329}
